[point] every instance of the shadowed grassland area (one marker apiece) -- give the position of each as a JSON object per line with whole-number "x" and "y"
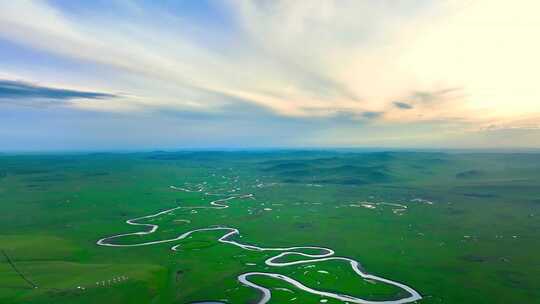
{"x": 468, "y": 232}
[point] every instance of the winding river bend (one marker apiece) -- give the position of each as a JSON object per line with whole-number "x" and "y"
{"x": 230, "y": 233}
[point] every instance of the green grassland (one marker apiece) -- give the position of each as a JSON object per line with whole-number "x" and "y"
{"x": 470, "y": 232}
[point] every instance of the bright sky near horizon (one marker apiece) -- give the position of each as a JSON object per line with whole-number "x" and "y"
{"x": 207, "y": 74}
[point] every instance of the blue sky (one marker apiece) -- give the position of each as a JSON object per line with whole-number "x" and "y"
{"x": 99, "y": 75}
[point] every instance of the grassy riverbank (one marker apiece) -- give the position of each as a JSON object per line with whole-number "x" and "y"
{"x": 468, "y": 235}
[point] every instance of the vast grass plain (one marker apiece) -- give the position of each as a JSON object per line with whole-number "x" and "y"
{"x": 454, "y": 227}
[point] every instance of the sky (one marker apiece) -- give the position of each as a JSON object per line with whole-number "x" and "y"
{"x": 109, "y": 75}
